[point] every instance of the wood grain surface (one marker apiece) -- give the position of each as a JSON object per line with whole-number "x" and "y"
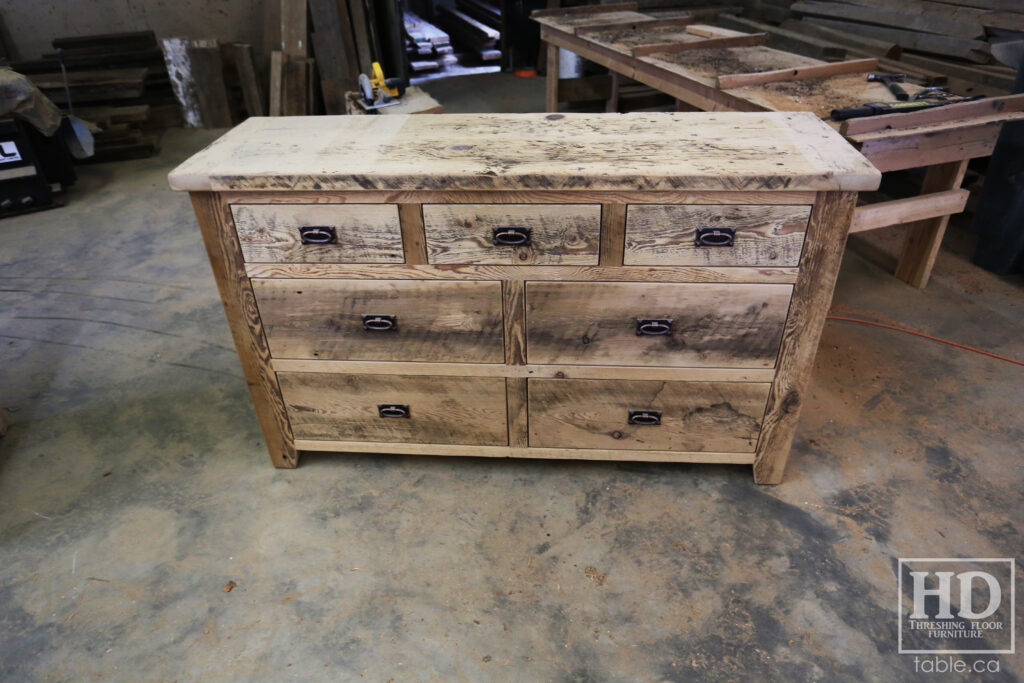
{"x": 714, "y": 325}
{"x": 366, "y": 233}
{"x": 695, "y": 416}
{"x": 452, "y": 410}
{"x": 638, "y": 151}
{"x": 436, "y": 321}
{"x": 663, "y": 235}
{"x": 559, "y": 234}
{"x": 247, "y": 329}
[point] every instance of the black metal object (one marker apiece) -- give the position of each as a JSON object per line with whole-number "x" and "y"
{"x": 652, "y": 327}
{"x": 645, "y": 417}
{"x": 511, "y": 236}
{"x": 715, "y": 237}
{"x": 393, "y": 410}
{"x": 318, "y": 234}
{"x": 380, "y": 323}
{"x": 1000, "y": 213}
{"x": 24, "y": 153}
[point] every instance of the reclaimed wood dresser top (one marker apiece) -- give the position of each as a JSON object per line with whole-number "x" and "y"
{"x": 787, "y": 151}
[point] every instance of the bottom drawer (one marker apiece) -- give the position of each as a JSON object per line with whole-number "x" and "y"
{"x": 646, "y": 415}
{"x": 421, "y": 409}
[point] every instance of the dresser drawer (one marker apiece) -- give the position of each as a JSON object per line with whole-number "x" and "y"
{"x": 646, "y": 415}
{"x": 421, "y": 409}
{"x": 382, "y": 319}
{"x": 733, "y": 235}
{"x": 680, "y": 325}
{"x": 513, "y": 234}
{"x": 319, "y": 233}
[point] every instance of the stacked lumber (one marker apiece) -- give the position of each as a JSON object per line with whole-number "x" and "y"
{"x": 814, "y": 40}
{"x": 473, "y": 35}
{"x": 116, "y": 81}
{"x": 960, "y": 31}
{"x": 428, "y": 47}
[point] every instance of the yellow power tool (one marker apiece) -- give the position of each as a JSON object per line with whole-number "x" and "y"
{"x": 377, "y": 92}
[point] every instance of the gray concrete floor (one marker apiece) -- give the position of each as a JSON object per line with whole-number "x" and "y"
{"x": 134, "y": 485}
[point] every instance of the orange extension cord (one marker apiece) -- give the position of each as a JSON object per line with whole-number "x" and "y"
{"x": 926, "y": 336}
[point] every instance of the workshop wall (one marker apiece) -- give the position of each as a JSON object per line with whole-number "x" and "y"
{"x": 31, "y": 24}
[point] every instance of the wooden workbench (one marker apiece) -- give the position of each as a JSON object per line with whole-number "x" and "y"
{"x": 716, "y": 69}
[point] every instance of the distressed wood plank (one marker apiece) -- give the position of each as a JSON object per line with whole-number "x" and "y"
{"x": 366, "y": 233}
{"x": 664, "y": 235}
{"x": 897, "y": 211}
{"x": 243, "y": 315}
{"x": 800, "y": 73}
{"x": 435, "y": 321}
{"x": 442, "y": 410}
{"x": 713, "y": 325}
{"x": 559, "y": 235}
{"x": 516, "y": 398}
{"x": 572, "y": 273}
{"x": 613, "y": 228}
{"x": 636, "y": 151}
{"x": 513, "y": 309}
{"x": 589, "y": 413}
{"x": 812, "y": 296}
{"x": 705, "y": 44}
{"x": 521, "y": 197}
{"x": 542, "y": 453}
{"x": 525, "y": 371}
{"x": 413, "y": 243}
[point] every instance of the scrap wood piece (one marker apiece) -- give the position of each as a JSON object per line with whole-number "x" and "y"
{"x": 584, "y": 9}
{"x": 634, "y": 25}
{"x": 935, "y": 127}
{"x": 908, "y": 18}
{"x": 208, "y": 74}
{"x": 293, "y": 28}
{"x": 179, "y": 68}
{"x": 799, "y": 73}
{"x": 746, "y": 40}
{"x": 252, "y": 94}
{"x": 949, "y": 112}
{"x": 708, "y": 31}
{"x": 276, "y": 72}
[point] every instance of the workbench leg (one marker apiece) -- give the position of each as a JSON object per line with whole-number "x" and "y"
{"x": 551, "y": 94}
{"x": 925, "y": 237}
{"x": 612, "y": 105}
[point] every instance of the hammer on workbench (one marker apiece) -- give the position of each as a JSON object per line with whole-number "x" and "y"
{"x": 892, "y": 82}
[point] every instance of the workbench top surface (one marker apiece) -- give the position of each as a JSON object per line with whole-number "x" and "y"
{"x": 790, "y": 151}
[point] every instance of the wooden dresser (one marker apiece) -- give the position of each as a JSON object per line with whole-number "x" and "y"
{"x": 618, "y": 287}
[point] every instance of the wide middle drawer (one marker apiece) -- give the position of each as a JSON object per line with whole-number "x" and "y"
{"x": 385, "y": 320}
{"x": 655, "y": 324}
{"x": 400, "y": 408}
{"x": 513, "y": 234}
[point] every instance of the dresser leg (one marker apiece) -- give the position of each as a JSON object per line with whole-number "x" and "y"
{"x": 812, "y": 296}
{"x": 551, "y": 80}
{"x": 236, "y": 294}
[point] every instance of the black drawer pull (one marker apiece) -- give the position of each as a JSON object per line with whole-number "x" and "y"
{"x": 318, "y": 234}
{"x": 715, "y": 237}
{"x": 645, "y": 417}
{"x": 653, "y": 326}
{"x": 511, "y": 236}
{"x": 380, "y": 323}
{"x": 393, "y": 410}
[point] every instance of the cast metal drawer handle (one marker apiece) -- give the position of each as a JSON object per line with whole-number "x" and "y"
{"x": 511, "y": 236}
{"x": 715, "y": 237}
{"x": 380, "y": 323}
{"x": 318, "y": 234}
{"x": 653, "y": 326}
{"x": 645, "y": 417}
{"x": 393, "y": 410}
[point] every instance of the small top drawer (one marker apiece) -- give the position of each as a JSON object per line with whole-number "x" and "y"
{"x": 319, "y": 233}
{"x": 513, "y": 234}
{"x": 726, "y": 235}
